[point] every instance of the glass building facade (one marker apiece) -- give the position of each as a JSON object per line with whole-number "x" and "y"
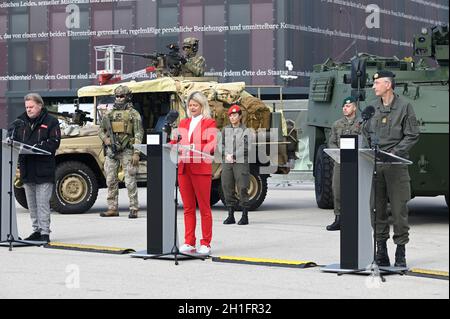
{"x": 48, "y": 46}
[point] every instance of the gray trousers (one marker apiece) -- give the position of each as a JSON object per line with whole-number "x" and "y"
{"x": 235, "y": 176}
{"x": 38, "y": 200}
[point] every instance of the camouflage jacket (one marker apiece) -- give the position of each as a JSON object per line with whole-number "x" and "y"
{"x": 194, "y": 66}
{"x": 343, "y": 126}
{"x": 394, "y": 127}
{"x": 133, "y": 131}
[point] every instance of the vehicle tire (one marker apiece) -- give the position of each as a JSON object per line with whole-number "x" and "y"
{"x": 257, "y": 190}
{"x": 21, "y": 198}
{"x": 323, "y": 172}
{"x": 215, "y": 190}
{"x": 76, "y": 188}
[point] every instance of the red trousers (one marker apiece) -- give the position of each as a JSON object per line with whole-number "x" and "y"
{"x": 196, "y": 189}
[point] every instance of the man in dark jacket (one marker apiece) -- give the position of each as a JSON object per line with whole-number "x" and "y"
{"x": 38, "y": 128}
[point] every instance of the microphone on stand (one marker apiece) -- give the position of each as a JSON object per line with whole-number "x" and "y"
{"x": 368, "y": 113}
{"x": 11, "y": 135}
{"x": 171, "y": 117}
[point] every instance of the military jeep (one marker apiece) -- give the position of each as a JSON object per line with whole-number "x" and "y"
{"x": 80, "y": 158}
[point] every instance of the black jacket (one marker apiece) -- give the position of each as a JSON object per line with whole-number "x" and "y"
{"x": 45, "y": 134}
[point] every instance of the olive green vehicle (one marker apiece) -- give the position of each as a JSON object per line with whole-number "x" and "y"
{"x": 80, "y": 158}
{"x": 422, "y": 81}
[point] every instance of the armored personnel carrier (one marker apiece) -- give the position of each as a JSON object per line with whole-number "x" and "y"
{"x": 422, "y": 81}
{"x": 80, "y": 158}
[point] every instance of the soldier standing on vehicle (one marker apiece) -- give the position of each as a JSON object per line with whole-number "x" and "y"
{"x": 194, "y": 65}
{"x": 236, "y": 167}
{"x": 394, "y": 128}
{"x": 119, "y": 130}
{"x": 348, "y": 125}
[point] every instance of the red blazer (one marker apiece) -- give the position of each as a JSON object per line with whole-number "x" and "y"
{"x": 204, "y": 137}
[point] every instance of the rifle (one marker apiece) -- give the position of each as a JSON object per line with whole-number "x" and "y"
{"x": 78, "y": 117}
{"x": 112, "y": 138}
{"x": 167, "y": 62}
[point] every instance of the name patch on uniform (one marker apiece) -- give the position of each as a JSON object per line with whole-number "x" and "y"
{"x": 384, "y": 120}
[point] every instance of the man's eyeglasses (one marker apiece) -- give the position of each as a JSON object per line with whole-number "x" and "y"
{"x": 120, "y": 96}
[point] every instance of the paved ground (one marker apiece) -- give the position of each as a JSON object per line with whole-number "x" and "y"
{"x": 288, "y": 226}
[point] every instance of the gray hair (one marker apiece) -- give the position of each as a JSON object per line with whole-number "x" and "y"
{"x": 388, "y": 79}
{"x": 34, "y": 97}
{"x": 201, "y": 99}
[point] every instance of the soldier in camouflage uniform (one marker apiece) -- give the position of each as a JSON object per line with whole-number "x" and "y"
{"x": 236, "y": 168}
{"x": 348, "y": 125}
{"x": 394, "y": 129}
{"x": 125, "y": 124}
{"x": 194, "y": 65}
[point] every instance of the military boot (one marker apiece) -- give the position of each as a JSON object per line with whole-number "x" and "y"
{"x": 400, "y": 258}
{"x": 110, "y": 213}
{"x": 133, "y": 214}
{"x": 244, "y": 218}
{"x": 382, "y": 257}
{"x": 336, "y": 225}
{"x": 230, "y": 219}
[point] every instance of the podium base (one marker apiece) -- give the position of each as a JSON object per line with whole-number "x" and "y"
{"x": 22, "y": 243}
{"x": 336, "y": 268}
{"x": 144, "y": 254}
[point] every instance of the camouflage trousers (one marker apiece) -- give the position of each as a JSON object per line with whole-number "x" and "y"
{"x": 112, "y": 166}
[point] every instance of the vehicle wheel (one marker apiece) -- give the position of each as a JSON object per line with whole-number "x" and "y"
{"x": 21, "y": 198}
{"x": 323, "y": 172}
{"x": 215, "y": 196}
{"x": 257, "y": 191}
{"x": 76, "y": 188}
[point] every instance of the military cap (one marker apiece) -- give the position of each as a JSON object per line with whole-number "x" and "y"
{"x": 348, "y": 100}
{"x": 383, "y": 74}
{"x": 234, "y": 109}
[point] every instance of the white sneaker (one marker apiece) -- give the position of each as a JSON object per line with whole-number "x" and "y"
{"x": 185, "y": 248}
{"x": 204, "y": 250}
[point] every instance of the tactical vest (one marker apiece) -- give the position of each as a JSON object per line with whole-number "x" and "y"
{"x": 122, "y": 127}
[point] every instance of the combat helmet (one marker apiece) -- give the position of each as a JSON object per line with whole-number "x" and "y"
{"x": 190, "y": 46}
{"x": 120, "y": 91}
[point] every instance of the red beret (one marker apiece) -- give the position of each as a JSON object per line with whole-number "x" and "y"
{"x": 234, "y": 109}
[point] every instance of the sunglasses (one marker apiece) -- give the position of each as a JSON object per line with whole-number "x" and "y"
{"x": 120, "y": 96}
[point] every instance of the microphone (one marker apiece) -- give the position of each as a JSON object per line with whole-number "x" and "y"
{"x": 368, "y": 113}
{"x": 13, "y": 127}
{"x": 171, "y": 117}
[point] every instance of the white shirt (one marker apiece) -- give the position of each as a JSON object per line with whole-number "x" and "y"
{"x": 193, "y": 125}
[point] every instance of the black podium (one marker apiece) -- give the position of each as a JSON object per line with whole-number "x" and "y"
{"x": 357, "y": 169}
{"x": 161, "y": 175}
{"x": 8, "y": 162}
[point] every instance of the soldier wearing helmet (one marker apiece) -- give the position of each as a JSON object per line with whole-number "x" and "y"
{"x": 195, "y": 65}
{"x": 119, "y": 130}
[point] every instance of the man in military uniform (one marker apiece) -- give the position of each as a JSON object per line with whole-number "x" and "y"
{"x": 348, "y": 125}
{"x": 394, "y": 129}
{"x": 236, "y": 167}
{"x": 119, "y": 130}
{"x": 194, "y": 65}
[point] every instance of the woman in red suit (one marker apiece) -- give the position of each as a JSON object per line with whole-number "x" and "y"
{"x": 198, "y": 132}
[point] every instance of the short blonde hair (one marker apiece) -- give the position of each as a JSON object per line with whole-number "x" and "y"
{"x": 201, "y": 99}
